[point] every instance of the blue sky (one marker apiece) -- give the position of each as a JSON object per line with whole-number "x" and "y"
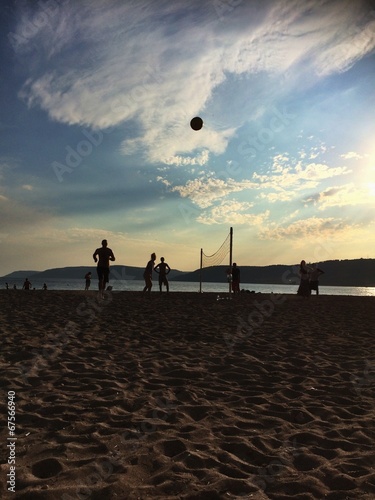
{"x": 97, "y": 97}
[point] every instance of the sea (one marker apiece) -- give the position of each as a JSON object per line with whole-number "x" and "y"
{"x": 188, "y": 286}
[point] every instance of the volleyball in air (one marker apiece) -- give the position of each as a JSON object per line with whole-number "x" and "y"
{"x": 196, "y": 123}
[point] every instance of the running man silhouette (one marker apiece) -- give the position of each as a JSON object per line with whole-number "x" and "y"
{"x": 163, "y": 269}
{"x": 105, "y": 254}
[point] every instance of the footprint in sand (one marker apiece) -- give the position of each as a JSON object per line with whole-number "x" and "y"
{"x": 46, "y": 468}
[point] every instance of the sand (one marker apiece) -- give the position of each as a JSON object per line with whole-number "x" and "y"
{"x": 187, "y": 397}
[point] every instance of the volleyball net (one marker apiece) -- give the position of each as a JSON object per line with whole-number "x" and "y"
{"x": 217, "y": 258}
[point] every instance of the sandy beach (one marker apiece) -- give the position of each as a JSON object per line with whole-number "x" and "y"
{"x": 187, "y": 397}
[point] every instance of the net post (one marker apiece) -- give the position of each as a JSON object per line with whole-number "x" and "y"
{"x": 230, "y": 255}
{"x": 200, "y": 272}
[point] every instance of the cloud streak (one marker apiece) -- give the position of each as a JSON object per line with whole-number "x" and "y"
{"x": 308, "y": 229}
{"x": 176, "y": 73}
{"x": 204, "y": 192}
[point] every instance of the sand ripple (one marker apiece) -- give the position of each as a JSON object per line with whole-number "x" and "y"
{"x": 187, "y": 397}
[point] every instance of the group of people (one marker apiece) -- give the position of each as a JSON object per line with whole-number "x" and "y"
{"x": 103, "y": 255}
{"x": 309, "y": 276}
{"x": 162, "y": 269}
{"x": 26, "y": 285}
{"x": 309, "y": 279}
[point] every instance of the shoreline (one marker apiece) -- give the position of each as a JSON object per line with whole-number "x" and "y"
{"x": 218, "y": 288}
{"x": 155, "y": 291}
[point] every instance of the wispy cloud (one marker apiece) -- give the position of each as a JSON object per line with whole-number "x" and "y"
{"x": 351, "y": 155}
{"x": 285, "y": 175}
{"x": 233, "y": 213}
{"x": 341, "y": 196}
{"x": 201, "y": 159}
{"x": 308, "y": 229}
{"x": 176, "y": 73}
{"x": 205, "y": 191}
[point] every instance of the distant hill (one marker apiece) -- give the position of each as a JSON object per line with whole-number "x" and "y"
{"x": 21, "y": 274}
{"x": 66, "y": 273}
{"x": 356, "y": 272}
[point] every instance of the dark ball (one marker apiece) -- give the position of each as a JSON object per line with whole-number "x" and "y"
{"x": 196, "y": 123}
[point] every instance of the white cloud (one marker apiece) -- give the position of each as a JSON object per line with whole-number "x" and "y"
{"x": 234, "y": 213}
{"x": 346, "y": 195}
{"x": 292, "y": 174}
{"x": 163, "y": 181}
{"x": 93, "y": 78}
{"x": 201, "y": 159}
{"x": 351, "y": 155}
{"x": 350, "y": 45}
{"x": 306, "y": 229}
{"x": 205, "y": 191}
{"x": 286, "y": 177}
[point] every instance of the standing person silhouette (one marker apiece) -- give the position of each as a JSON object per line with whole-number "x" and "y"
{"x": 163, "y": 269}
{"x": 304, "y": 284}
{"x": 105, "y": 255}
{"x": 88, "y": 280}
{"x": 314, "y": 278}
{"x": 148, "y": 273}
{"x": 235, "y": 278}
{"x": 27, "y": 284}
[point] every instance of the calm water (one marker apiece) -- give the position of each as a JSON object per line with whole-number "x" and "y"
{"x": 184, "y": 286}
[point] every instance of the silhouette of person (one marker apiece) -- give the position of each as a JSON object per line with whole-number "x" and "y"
{"x": 88, "y": 280}
{"x": 7, "y": 286}
{"x": 105, "y": 255}
{"x": 44, "y": 286}
{"x": 148, "y": 273}
{"x": 314, "y": 278}
{"x": 236, "y": 273}
{"x": 304, "y": 285}
{"x": 26, "y": 285}
{"x": 163, "y": 269}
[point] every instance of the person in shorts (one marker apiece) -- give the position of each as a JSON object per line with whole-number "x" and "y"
{"x": 148, "y": 273}
{"x": 102, "y": 256}
{"x": 163, "y": 269}
{"x": 314, "y": 278}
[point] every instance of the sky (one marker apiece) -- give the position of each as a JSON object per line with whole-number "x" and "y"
{"x": 97, "y": 98}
